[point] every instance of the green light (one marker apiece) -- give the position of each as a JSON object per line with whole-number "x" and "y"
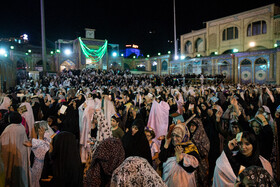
{"x": 94, "y": 54}
{"x": 57, "y": 51}
{"x": 198, "y": 55}
{"x": 26, "y": 53}
{"x": 216, "y": 53}
{"x": 134, "y": 56}
{"x": 12, "y": 47}
{"x": 148, "y": 56}
{"x": 5, "y": 55}
{"x": 159, "y": 54}
{"x": 169, "y": 52}
{"x": 51, "y": 52}
{"x": 275, "y": 45}
{"x": 235, "y": 50}
{"x": 29, "y": 50}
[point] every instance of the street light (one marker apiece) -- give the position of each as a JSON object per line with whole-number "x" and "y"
{"x": 183, "y": 57}
{"x": 148, "y": 56}
{"x": 67, "y": 52}
{"x": 159, "y": 54}
{"x": 176, "y": 57}
{"x": 2, "y": 51}
{"x": 114, "y": 54}
{"x": 29, "y": 50}
{"x": 12, "y": 47}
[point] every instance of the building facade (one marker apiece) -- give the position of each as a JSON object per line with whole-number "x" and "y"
{"x": 243, "y": 46}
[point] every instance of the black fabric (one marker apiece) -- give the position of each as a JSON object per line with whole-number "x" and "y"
{"x": 66, "y": 161}
{"x": 138, "y": 144}
{"x": 71, "y": 122}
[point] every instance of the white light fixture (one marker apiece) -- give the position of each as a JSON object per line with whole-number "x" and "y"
{"x": 121, "y": 54}
{"x": 114, "y": 54}
{"x": 67, "y": 52}
{"x": 252, "y": 44}
{"x": 169, "y": 52}
{"x": 183, "y": 57}
{"x": 148, "y": 56}
{"x": 154, "y": 63}
{"x": 176, "y": 57}
{"x": 235, "y": 50}
{"x": 159, "y": 54}
{"x": 215, "y": 52}
{"x": 2, "y": 51}
{"x": 198, "y": 55}
{"x": 275, "y": 45}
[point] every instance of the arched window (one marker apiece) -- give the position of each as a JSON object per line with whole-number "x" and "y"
{"x": 164, "y": 66}
{"x": 257, "y": 28}
{"x": 245, "y": 62}
{"x": 230, "y": 33}
{"x": 199, "y": 45}
{"x": 188, "y": 47}
{"x": 260, "y": 61}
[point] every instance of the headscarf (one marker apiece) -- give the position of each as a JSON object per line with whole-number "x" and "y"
{"x": 138, "y": 144}
{"x": 136, "y": 172}
{"x": 257, "y": 176}
{"x": 6, "y": 103}
{"x": 67, "y": 166}
{"x": 254, "y": 158}
{"x": 107, "y": 157}
{"x": 199, "y": 137}
{"x": 183, "y": 132}
{"x": 203, "y": 112}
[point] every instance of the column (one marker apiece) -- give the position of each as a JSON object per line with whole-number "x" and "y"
{"x": 271, "y": 67}
{"x": 235, "y": 69}
{"x": 158, "y": 66}
{"x": 148, "y": 66}
{"x": 213, "y": 62}
{"x": 278, "y": 68}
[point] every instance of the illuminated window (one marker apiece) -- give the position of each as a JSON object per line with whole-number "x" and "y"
{"x": 257, "y": 28}
{"x": 230, "y": 33}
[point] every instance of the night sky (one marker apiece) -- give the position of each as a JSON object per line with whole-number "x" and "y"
{"x": 147, "y": 23}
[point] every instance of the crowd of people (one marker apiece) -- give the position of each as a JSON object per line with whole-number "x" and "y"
{"x": 113, "y": 128}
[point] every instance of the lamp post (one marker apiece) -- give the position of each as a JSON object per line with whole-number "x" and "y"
{"x": 175, "y": 37}
{"x": 44, "y": 58}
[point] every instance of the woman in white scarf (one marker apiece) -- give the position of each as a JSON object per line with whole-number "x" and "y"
{"x": 29, "y": 116}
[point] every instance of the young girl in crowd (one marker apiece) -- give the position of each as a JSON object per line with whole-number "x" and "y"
{"x": 150, "y": 134}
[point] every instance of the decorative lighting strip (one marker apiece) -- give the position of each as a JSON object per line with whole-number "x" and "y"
{"x": 94, "y": 54}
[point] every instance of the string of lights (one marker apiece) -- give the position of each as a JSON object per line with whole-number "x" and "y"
{"x": 94, "y": 54}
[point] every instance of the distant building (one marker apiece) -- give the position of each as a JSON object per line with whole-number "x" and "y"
{"x": 131, "y": 50}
